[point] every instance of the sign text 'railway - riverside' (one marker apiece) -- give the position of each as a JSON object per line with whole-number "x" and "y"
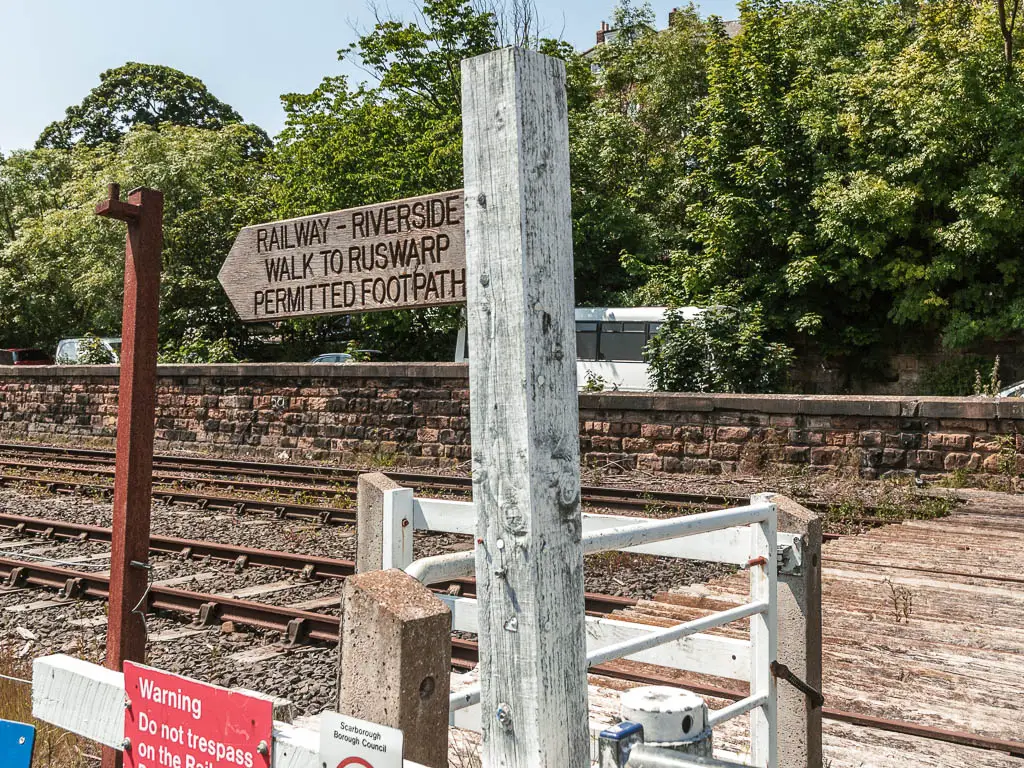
{"x": 396, "y": 255}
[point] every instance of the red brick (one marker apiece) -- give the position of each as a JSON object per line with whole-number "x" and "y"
{"x": 732, "y": 434}
{"x": 725, "y": 450}
{"x": 830, "y": 456}
{"x": 950, "y": 441}
{"x": 656, "y": 431}
{"x": 970, "y": 461}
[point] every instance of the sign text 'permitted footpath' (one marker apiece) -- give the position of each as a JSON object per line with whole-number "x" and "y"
{"x": 398, "y": 255}
{"x": 173, "y": 722}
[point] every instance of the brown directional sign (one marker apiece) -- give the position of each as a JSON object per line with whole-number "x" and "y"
{"x": 398, "y": 255}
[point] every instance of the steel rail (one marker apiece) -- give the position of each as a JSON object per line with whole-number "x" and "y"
{"x": 280, "y": 508}
{"x": 164, "y": 478}
{"x": 310, "y": 566}
{"x": 612, "y": 498}
{"x": 300, "y": 626}
{"x": 627, "y": 498}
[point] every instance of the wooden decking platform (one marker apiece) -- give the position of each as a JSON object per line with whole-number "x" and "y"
{"x": 922, "y": 623}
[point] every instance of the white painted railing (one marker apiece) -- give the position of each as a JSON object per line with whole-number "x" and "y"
{"x": 744, "y": 536}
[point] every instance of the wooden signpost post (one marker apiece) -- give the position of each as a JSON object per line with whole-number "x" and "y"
{"x": 397, "y": 255}
{"x": 136, "y": 406}
{"x": 524, "y": 405}
{"x": 516, "y": 235}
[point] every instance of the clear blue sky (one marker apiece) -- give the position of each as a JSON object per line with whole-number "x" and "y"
{"x": 248, "y": 52}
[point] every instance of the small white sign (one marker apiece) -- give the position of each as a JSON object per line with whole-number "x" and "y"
{"x": 347, "y": 742}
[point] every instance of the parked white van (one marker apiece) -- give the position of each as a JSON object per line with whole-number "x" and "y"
{"x": 610, "y": 343}
{"x": 68, "y": 350}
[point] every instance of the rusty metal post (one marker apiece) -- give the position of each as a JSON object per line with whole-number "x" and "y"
{"x": 126, "y": 632}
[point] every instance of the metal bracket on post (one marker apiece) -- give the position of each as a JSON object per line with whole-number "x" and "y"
{"x": 790, "y": 553}
{"x": 398, "y": 529}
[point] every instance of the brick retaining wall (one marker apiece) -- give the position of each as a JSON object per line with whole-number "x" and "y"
{"x": 418, "y": 414}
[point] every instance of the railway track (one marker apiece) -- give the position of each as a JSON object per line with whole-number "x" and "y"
{"x": 342, "y": 479}
{"x": 311, "y": 492}
{"x": 307, "y": 566}
{"x": 302, "y": 626}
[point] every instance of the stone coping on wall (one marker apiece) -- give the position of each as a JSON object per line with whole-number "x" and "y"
{"x": 253, "y": 370}
{"x": 819, "y": 405}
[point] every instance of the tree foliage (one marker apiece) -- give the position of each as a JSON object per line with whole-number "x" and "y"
{"x": 61, "y": 273}
{"x": 720, "y": 350}
{"x": 847, "y": 174}
{"x": 855, "y": 170}
{"x": 140, "y": 94}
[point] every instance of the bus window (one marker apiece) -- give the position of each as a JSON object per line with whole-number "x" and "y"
{"x": 623, "y": 341}
{"x": 586, "y": 341}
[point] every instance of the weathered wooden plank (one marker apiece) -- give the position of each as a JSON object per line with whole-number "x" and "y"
{"x": 400, "y": 254}
{"x": 84, "y": 698}
{"x": 525, "y": 410}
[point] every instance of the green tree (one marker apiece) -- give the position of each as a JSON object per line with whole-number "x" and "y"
{"x": 141, "y": 94}
{"x": 719, "y": 350}
{"x": 628, "y": 148}
{"x": 855, "y": 170}
{"x": 61, "y": 273}
{"x": 400, "y": 135}
{"x": 397, "y": 136}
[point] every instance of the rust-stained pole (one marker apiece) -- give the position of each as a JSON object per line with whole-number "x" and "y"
{"x": 126, "y": 632}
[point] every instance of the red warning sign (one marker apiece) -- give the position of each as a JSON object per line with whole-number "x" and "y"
{"x": 174, "y": 722}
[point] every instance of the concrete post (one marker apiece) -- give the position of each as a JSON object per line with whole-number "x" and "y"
{"x": 396, "y": 660}
{"x": 371, "y": 490}
{"x": 799, "y": 617}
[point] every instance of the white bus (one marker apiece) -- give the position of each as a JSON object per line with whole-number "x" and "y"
{"x": 609, "y": 344}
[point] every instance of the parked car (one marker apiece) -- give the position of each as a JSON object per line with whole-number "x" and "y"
{"x": 332, "y": 357}
{"x": 24, "y": 356}
{"x": 68, "y": 350}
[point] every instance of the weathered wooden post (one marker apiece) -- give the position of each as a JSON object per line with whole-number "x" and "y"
{"x": 799, "y": 619}
{"x": 126, "y": 632}
{"x": 523, "y": 399}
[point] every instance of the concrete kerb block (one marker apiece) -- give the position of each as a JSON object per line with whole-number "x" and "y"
{"x": 800, "y": 647}
{"x": 370, "y": 520}
{"x": 395, "y": 644}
